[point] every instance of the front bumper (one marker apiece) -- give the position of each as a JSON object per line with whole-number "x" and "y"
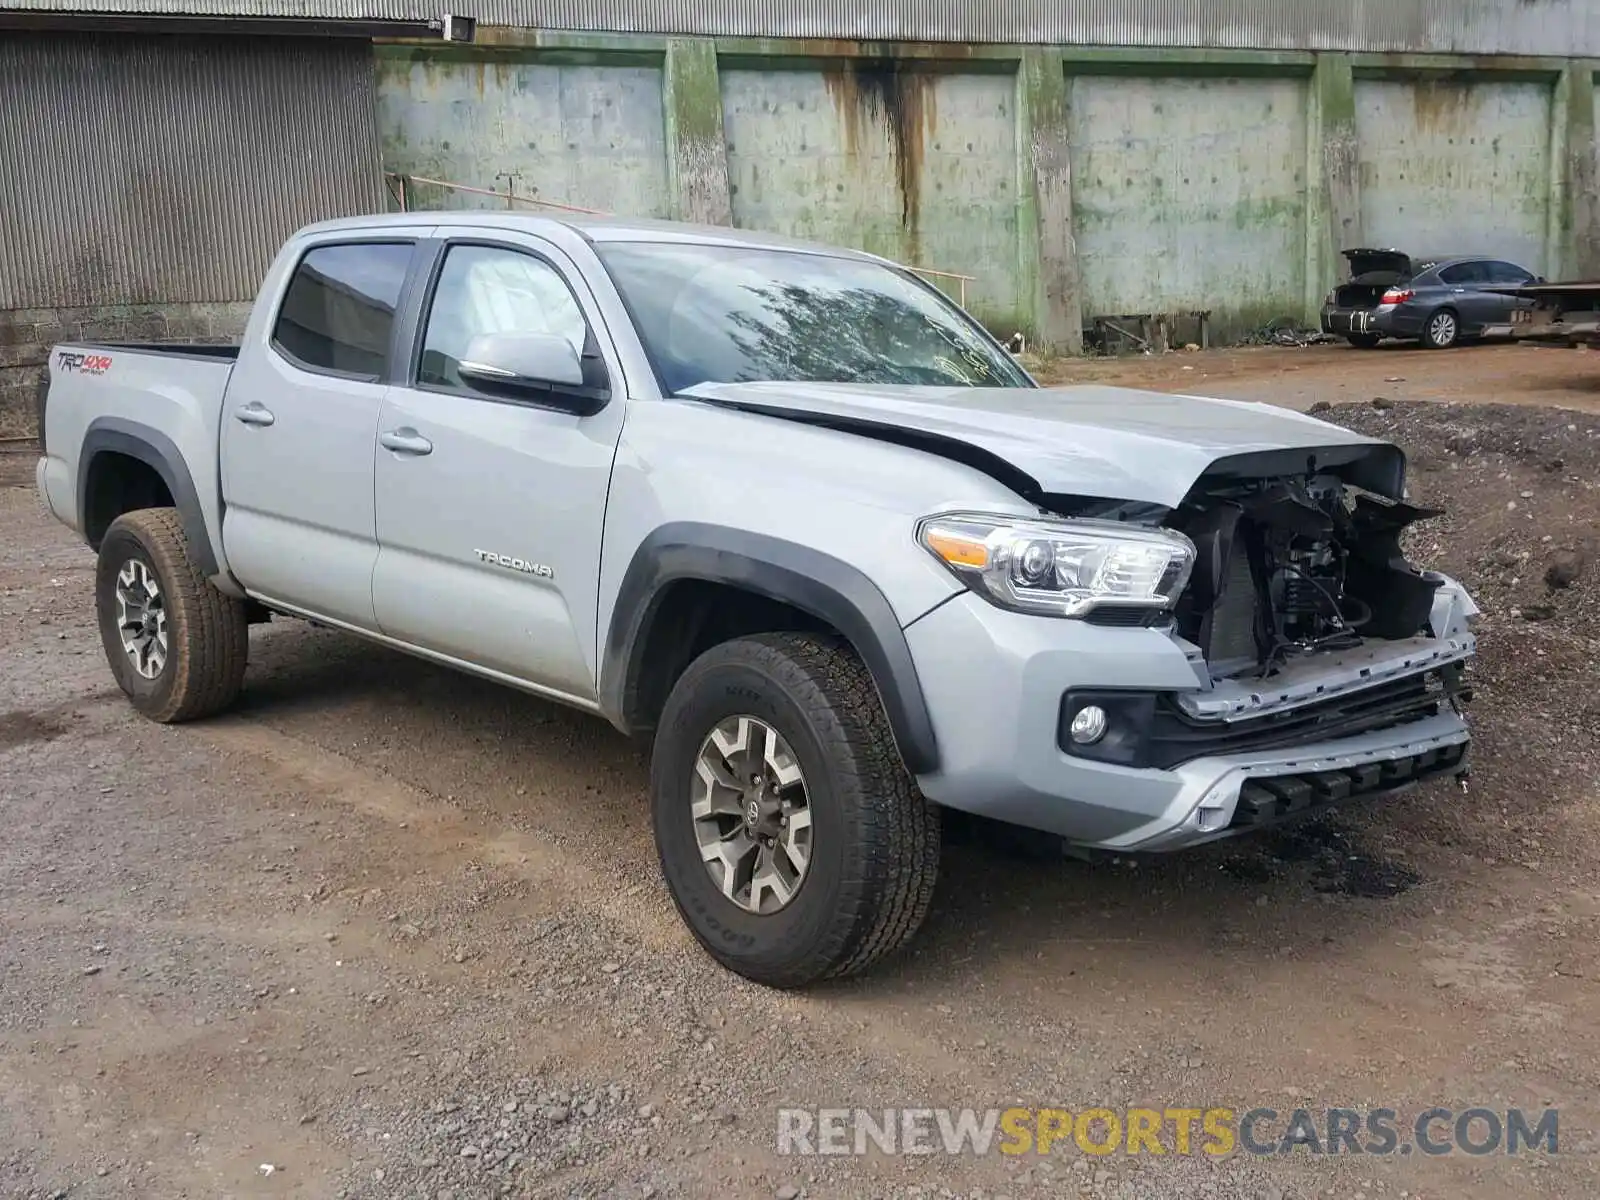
{"x": 1212, "y": 801}
{"x": 994, "y": 683}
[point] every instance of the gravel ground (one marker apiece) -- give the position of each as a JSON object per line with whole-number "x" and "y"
{"x": 391, "y": 932}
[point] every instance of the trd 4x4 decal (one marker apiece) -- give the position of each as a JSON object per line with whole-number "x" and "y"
{"x": 83, "y": 364}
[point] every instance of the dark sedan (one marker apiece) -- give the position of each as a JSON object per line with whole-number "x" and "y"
{"x": 1435, "y": 301}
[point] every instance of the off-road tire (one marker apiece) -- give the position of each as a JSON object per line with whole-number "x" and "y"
{"x": 207, "y": 632}
{"x": 1363, "y": 341}
{"x": 875, "y": 849}
{"x": 1432, "y": 339}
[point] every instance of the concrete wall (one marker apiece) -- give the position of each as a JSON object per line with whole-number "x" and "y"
{"x": 588, "y": 135}
{"x": 1190, "y": 194}
{"x": 919, "y": 166}
{"x": 1456, "y": 168}
{"x": 1068, "y": 182}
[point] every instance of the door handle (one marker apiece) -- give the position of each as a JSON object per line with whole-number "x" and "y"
{"x": 405, "y": 441}
{"x": 253, "y": 414}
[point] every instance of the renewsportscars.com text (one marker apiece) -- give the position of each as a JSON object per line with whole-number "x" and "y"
{"x": 1212, "y": 1131}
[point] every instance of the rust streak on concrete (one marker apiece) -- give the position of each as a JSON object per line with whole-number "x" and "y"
{"x": 885, "y": 93}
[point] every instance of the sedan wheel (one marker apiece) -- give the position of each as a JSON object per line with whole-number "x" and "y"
{"x": 1443, "y": 330}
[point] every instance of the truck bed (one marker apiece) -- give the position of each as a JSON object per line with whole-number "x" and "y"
{"x": 100, "y": 397}
{"x": 227, "y": 352}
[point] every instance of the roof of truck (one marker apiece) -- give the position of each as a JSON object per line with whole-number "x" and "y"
{"x": 594, "y": 228}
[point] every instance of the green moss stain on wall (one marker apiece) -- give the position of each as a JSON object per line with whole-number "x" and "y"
{"x": 697, "y": 155}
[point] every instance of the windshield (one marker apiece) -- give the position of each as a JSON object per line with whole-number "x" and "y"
{"x": 730, "y": 314}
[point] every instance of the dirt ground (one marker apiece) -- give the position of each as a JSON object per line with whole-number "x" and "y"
{"x": 1525, "y": 373}
{"x": 389, "y": 931}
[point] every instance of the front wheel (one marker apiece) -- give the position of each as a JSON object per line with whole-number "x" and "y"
{"x": 176, "y": 645}
{"x": 1442, "y": 331}
{"x": 793, "y": 840}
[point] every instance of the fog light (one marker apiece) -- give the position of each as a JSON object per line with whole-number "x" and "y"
{"x": 1088, "y": 725}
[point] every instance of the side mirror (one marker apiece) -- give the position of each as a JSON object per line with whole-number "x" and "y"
{"x": 540, "y": 368}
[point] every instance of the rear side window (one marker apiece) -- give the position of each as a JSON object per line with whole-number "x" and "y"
{"x": 339, "y": 310}
{"x": 1467, "y": 272}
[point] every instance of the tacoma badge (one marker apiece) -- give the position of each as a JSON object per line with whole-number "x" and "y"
{"x": 515, "y": 564}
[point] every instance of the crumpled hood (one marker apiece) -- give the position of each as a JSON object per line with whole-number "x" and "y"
{"x": 1091, "y": 441}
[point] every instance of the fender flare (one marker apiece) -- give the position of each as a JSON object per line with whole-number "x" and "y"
{"x": 156, "y": 450}
{"x": 815, "y": 583}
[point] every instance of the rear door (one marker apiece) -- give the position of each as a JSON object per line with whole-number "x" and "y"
{"x": 490, "y": 509}
{"x": 299, "y": 425}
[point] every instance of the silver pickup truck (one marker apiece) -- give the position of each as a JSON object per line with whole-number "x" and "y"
{"x": 792, "y": 513}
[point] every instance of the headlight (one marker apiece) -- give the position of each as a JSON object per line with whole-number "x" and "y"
{"x": 1060, "y": 568}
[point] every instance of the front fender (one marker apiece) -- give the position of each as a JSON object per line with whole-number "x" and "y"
{"x": 816, "y": 583}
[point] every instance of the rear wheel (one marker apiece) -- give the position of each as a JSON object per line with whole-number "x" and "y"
{"x": 176, "y": 645}
{"x": 1442, "y": 331}
{"x": 1363, "y": 341}
{"x": 794, "y": 842}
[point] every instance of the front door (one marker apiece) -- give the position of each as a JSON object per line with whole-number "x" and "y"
{"x": 298, "y": 427}
{"x": 1478, "y": 308}
{"x": 1504, "y": 274}
{"x": 489, "y": 510}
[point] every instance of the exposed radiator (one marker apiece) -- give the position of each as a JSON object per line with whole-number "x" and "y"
{"x": 1232, "y": 626}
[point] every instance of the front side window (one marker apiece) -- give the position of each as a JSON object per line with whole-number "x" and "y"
{"x": 487, "y": 289}
{"x": 1504, "y": 272}
{"x": 338, "y": 313}
{"x": 734, "y": 314}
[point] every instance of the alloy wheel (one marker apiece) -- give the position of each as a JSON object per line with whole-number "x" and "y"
{"x": 752, "y": 818}
{"x": 142, "y": 618}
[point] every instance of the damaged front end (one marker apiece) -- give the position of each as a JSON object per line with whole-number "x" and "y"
{"x": 1310, "y": 633}
{"x": 1297, "y": 569}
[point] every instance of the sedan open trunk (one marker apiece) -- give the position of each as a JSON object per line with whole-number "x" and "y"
{"x": 1372, "y": 272}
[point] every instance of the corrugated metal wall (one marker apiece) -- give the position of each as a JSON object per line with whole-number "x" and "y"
{"x": 1556, "y": 27}
{"x": 167, "y": 169}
